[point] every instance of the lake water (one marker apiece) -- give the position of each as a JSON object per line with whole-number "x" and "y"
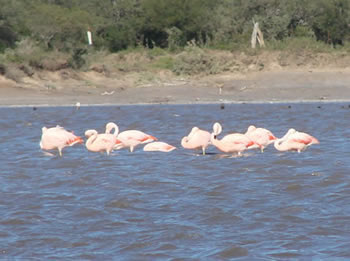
{"x": 178, "y": 205}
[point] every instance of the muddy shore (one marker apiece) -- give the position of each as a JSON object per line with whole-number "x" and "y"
{"x": 270, "y": 86}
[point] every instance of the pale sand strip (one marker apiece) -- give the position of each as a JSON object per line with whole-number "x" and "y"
{"x": 266, "y": 87}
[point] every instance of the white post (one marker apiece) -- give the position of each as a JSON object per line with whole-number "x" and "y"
{"x": 254, "y": 35}
{"x": 89, "y": 37}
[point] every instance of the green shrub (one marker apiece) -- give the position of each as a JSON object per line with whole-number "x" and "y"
{"x": 176, "y": 38}
{"x": 304, "y": 31}
{"x": 155, "y": 52}
{"x": 164, "y": 62}
{"x": 77, "y": 60}
{"x": 194, "y": 60}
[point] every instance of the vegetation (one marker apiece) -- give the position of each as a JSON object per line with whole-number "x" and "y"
{"x": 51, "y": 34}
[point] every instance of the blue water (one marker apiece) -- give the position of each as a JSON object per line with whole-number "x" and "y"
{"x": 178, "y": 205}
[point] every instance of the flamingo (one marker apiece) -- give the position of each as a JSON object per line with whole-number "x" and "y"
{"x": 231, "y": 143}
{"x": 58, "y": 138}
{"x": 261, "y": 136}
{"x": 112, "y": 126}
{"x": 129, "y": 138}
{"x": 100, "y": 142}
{"x": 196, "y": 139}
{"x": 158, "y": 146}
{"x": 295, "y": 140}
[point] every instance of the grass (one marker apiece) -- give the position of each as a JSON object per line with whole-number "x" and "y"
{"x": 190, "y": 60}
{"x": 297, "y": 44}
{"x": 164, "y": 63}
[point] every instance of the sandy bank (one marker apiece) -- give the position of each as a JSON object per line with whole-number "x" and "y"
{"x": 268, "y": 86}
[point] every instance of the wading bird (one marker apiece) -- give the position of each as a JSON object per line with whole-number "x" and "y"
{"x": 261, "y": 136}
{"x": 158, "y": 146}
{"x": 100, "y": 142}
{"x": 129, "y": 138}
{"x": 58, "y": 138}
{"x": 196, "y": 139}
{"x": 231, "y": 143}
{"x": 295, "y": 141}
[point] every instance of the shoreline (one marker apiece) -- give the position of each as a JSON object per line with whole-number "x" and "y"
{"x": 265, "y": 87}
{"x": 178, "y": 104}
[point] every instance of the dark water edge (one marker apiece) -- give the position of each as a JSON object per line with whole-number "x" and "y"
{"x": 180, "y": 205}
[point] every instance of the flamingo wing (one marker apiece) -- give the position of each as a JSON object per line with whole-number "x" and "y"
{"x": 304, "y": 138}
{"x": 159, "y": 146}
{"x": 136, "y": 135}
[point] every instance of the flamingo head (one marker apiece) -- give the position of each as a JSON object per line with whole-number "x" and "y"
{"x": 251, "y": 128}
{"x": 289, "y": 132}
{"x": 217, "y": 129}
{"x": 110, "y": 126}
{"x": 184, "y": 140}
{"x": 89, "y": 133}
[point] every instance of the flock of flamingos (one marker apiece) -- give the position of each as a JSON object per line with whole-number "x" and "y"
{"x": 57, "y": 138}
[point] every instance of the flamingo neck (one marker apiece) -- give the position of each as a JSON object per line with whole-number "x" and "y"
{"x": 116, "y": 131}
{"x": 91, "y": 140}
{"x": 279, "y": 144}
{"x": 112, "y": 127}
{"x": 215, "y": 141}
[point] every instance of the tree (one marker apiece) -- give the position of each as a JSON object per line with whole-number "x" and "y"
{"x": 123, "y": 26}
{"x": 190, "y": 17}
{"x": 331, "y": 20}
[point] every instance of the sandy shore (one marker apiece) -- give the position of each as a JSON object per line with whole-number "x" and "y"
{"x": 271, "y": 86}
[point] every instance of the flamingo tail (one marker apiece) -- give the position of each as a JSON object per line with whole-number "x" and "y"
{"x": 271, "y": 137}
{"x": 148, "y": 139}
{"x": 75, "y": 140}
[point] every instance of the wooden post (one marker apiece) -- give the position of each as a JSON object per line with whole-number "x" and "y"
{"x": 257, "y": 35}
{"x": 260, "y": 38}
{"x": 254, "y": 35}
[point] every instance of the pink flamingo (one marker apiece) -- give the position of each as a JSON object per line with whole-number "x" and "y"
{"x": 100, "y": 142}
{"x": 231, "y": 143}
{"x": 112, "y": 126}
{"x": 129, "y": 138}
{"x": 58, "y": 138}
{"x": 260, "y": 136}
{"x": 295, "y": 140}
{"x": 158, "y": 146}
{"x": 196, "y": 139}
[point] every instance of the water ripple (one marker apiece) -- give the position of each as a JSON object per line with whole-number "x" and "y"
{"x": 179, "y": 205}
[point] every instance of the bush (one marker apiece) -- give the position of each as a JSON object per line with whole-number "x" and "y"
{"x": 297, "y": 44}
{"x": 30, "y": 53}
{"x": 77, "y": 61}
{"x": 164, "y": 62}
{"x": 176, "y": 38}
{"x": 195, "y": 60}
{"x": 304, "y": 31}
{"x": 7, "y": 38}
{"x": 116, "y": 39}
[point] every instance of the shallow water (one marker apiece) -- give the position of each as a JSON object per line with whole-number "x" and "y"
{"x": 178, "y": 205}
